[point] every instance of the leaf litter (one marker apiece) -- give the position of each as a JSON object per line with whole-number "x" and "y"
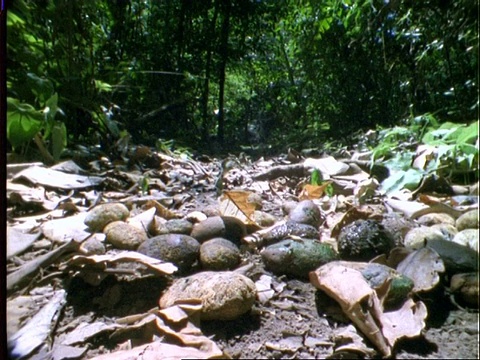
{"x": 103, "y": 304}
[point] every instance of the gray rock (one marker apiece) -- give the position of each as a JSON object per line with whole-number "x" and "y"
{"x": 417, "y": 237}
{"x": 228, "y": 227}
{"x": 219, "y": 254}
{"x": 435, "y": 218}
{"x": 468, "y": 238}
{"x": 297, "y": 257}
{"x": 469, "y": 220}
{"x": 181, "y": 250}
{"x": 225, "y": 295}
{"x": 101, "y": 215}
{"x": 362, "y": 240}
{"x": 307, "y": 212}
{"x": 179, "y": 226}
{"x": 124, "y": 236}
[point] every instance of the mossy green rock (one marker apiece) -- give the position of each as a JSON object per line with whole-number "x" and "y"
{"x": 400, "y": 287}
{"x": 297, "y": 257}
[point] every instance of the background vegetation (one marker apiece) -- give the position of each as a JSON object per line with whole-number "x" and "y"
{"x": 234, "y": 72}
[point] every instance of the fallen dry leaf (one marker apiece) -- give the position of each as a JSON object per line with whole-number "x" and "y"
{"x": 344, "y": 282}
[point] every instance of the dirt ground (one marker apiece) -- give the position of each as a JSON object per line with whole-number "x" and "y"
{"x": 293, "y": 324}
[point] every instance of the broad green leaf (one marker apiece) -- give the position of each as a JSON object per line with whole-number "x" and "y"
{"x": 21, "y": 128}
{"x": 400, "y": 180}
{"x": 401, "y": 162}
{"x": 468, "y": 135}
{"x": 41, "y": 87}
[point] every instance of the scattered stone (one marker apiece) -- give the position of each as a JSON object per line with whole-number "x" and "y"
{"x": 228, "y": 227}
{"x": 101, "y": 215}
{"x": 397, "y": 226}
{"x": 225, "y": 295}
{"x": 457, "y": 258}
{"x": 279, "y": 232}
{"x": 307, "y": 212}
{"x": 288, "y": 206}
{"x": 465, "y": 287}
{"x": 124, "y": 236}
{"x": 467, "y": 237}
{"x": 297, "y": 257}
{"x": 362, "y": 240}
{"x": 416, "y": 238}
{"x": 196, "y": 216}
{"x": 448, "y": 231}
{"x": 435, "y": 218}
{"x": 181, "y": 250}
{"x": 469, "y": 220}
{"x": 157, "y": 226}
{"x": 211, "y": 210}
{"x": 263, "y": 219}
{"x": 93, "y": 246}
{"x": 219, "y": 254}
{"x": 179, "y": 226}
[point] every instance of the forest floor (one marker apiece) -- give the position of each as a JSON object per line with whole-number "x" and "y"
{"x": 295, "y": 323}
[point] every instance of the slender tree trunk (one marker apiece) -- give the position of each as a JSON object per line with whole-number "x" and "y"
{"x": 206, "y": 83}
{"x": 222, "y": 68}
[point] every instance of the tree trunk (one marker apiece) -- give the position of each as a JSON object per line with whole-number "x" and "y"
{"x": 223, "y": 52}
{"x": 206, "y": 83}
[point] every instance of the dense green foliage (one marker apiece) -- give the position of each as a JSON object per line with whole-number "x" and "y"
{"x": 235, "y": 71}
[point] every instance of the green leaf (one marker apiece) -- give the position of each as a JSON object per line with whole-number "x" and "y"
{"x": 21, "y": 129}
{"x": 409, "y": 179}
{"x": 316, "y": 177}
{"x": 467, "y": 135}
{"x": 102, "y": 86}
{"x": 23, "y": 122}
{"x": 401, "y": 162}
{"x": 41, "y": 87}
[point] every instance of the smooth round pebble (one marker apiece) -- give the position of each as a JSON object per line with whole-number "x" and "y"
{"x": 263, "y": 219}
{"x": 307, "y": 212}
{"x": 448, "y": 231}
{"x": 219, "y": 254}
{"x": 225, "y": 295}
{"x": 416, "y": 238}
{"x": 93, "y": 246}
{"x": 467, "y": 237}
{"x": 181, "y": 250}
{"x": 227, "y": 227}
{"x": 101, "y": 215}
{"x": 435, "y": 218}
{"x": 469, "y": 220}
{"x": 179, "y": 226}
{"x": 124, "y": 236}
